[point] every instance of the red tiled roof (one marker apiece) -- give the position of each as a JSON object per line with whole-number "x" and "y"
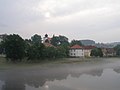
{"x": 49, "y": 38}
{"x": 76, "y": 47}
{"x": 48, "y": 45}
{"x": 82, "y": 47}
{"x": 89, "y": 47}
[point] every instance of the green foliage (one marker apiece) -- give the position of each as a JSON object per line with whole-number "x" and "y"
{"x": 59, "y": 40}
{"x": 74, "y": 42}
{"x": 117, "y": 49}
{"x": 35, "y": 52}
{"x": 14, "y": 47}
{"x": 36, "y": 39}
{"x": 61, "y": 52}
{"x": 1, "y": 48}
{"x": 55, "y": 41}
{"x": 28, "y": 43}
{"x": 97, "y": 52}
{"x": 62, "y": 46}
{"x": 50, "y": 52}
{"x": 63, "y": 40}
{"x": 100, "y": 53}
{"x": 65, "y": 50}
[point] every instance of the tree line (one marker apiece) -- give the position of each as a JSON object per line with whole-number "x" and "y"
{"x": 16, "y": 48}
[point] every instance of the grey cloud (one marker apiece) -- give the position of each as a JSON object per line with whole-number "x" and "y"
{"x": 3, "y": 25}
{"x": 17, "y": 12}
{"x": 74, "y": 18}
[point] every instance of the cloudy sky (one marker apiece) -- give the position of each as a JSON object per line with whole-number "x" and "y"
{"x": 77, "y": 19}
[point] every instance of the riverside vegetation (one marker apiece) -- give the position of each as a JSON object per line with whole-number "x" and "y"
{"x": 17, "y": 49}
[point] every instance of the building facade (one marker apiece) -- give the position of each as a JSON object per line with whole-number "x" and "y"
{"x": 87, "y": 50}
{"x": 108, "y": 52}
{"x": 76, "y": 51}
{"x": 80, "y": 51}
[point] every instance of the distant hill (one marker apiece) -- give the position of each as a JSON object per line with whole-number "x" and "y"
{"x": 87, "y": 42}
{"x": 107, "y": 45}
{"x": 115, "y": 43}
{"x": 103, "y": 45}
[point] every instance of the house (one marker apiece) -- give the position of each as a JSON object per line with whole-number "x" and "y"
{"x": 76, "y": 51}
{"x": 87, "y": 50}
{"x": 80, "y": 51}
{"x": 108, "y": 52}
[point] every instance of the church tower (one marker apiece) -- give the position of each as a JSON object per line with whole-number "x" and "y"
{"x": 46, "y": 39}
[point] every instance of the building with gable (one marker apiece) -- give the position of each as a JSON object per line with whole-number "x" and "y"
{"x": 80, "y": 51}
{"x": 87, "y": 50}
{"x": 76, "y": 51}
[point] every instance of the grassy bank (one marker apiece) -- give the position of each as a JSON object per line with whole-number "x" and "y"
{"x": 41, "y": 63}
{"x": 4, "y": 64}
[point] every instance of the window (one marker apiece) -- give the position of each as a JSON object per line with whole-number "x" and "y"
{"x": 73, "y": 50}
{"x": 82, "y": 53}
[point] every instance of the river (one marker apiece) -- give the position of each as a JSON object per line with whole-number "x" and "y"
{"x": 103, "y": 74}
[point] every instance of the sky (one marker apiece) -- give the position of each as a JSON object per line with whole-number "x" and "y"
{"x": 98, "y": 20}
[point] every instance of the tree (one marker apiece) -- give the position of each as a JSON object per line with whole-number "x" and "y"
{"x": 100, "y": 53}
{"x": 55, "y": 41}
{"x": 59, "y": 40}
{"x": 50, "y": 52}
{"x": 74, "y": 42}
{"x": 97, "y": 52}
{"x": 36, "y": 39}
{"x": 35, "y": 52}
{"x": 117, "y": 49}
{"x": 28, "y": 44}
{"x": 1, "y": 49}
{"x": 63, "y": 40}
{"x": 61, "y": 52}
{"x": 14, "y": 47}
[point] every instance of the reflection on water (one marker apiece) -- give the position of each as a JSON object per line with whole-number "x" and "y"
{"x": 61, "y": 78}
{"x": 1, "y": 84}
{"x": 105, "y": 79}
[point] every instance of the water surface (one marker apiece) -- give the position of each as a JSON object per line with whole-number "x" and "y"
{"x": 100, "y": 75}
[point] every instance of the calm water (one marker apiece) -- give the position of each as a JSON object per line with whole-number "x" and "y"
{"x": 101, "y": 75}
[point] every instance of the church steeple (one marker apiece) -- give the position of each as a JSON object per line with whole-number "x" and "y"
{"x": 45, "y": 39}
{"x": 46, "y": 35}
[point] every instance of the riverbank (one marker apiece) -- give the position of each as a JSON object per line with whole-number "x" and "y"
{"x": 5, "y": 64}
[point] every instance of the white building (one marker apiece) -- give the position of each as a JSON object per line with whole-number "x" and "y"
{"x": 80, "y": 51}
{"x": 76, "y": 51}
